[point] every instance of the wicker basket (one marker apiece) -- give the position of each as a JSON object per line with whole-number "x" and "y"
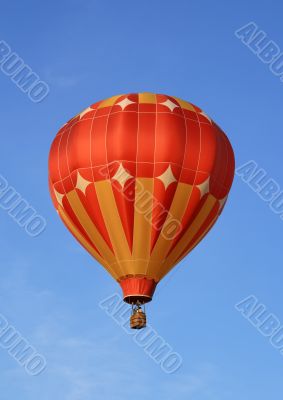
{"x": 138, "y": 320}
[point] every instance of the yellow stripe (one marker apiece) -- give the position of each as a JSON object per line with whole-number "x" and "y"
{"x": 82, "y": 240}
{"x": 148, "y": 98}
{"x": 114, "y": 225}
{"x": 142, "y": 224}
{"x": 184, "y": 104}
{"x": 89, "y": 227}
{"x": 195, "y": 243}
{"x": 109, "y": 102}
{"x": 176, "y": 212}
{"x": 187, "y": 237}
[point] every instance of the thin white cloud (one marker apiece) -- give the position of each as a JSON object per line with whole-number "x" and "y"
{"x": 85, "y": 362}
{"x": 55, "y": 78}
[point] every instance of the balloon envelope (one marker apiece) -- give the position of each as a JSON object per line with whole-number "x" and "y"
{"x": 139, "y": 180}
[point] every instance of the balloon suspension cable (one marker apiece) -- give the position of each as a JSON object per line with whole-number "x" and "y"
{"x": 138, "y": 317}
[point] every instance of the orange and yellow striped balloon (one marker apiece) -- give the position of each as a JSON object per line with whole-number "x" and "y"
{"x": 139, "y": 180}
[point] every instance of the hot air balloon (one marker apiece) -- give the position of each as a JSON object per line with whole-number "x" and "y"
{"x": 139, "y": 180}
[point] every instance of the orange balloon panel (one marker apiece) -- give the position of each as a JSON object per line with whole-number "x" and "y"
{"x": 139, "y": 179}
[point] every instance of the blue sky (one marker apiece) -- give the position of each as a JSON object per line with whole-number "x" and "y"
{"x": 50, "y": 288}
